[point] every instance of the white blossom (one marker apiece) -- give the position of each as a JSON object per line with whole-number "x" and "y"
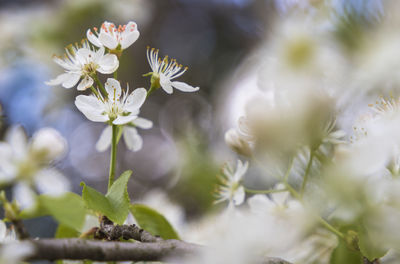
{"x": 80, "y": 63}
{"x": 12, "y": 251}
{"x": 25, "y": 164}
{"x": 166, "y": 70}
{"x": 112, "y": 37}
{"x": 118, "y": 107}
{"x": 231, "y": 189}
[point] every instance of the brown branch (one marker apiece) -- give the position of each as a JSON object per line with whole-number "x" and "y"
{"x": 112, "y": 232}
{"x": 20, "y": 229}
{"x": 83, "y": 249}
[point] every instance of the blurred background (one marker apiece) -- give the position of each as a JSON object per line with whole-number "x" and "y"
{"x": 219, "y": 40}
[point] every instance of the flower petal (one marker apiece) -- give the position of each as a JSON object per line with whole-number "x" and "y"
{"x": 238, "y": 196}
{"x": 133, "y": 140}
{"x": 71, "y": 80}
{"x": 184, "y": 87}
{"x": 142, "y": 123}
{"x": 122, "y": 120}
{"x": 85, "y": 83}
{"x": 166, "y": 84}
{"x": 93, "y": 39}
{"x": 135, "y": 100}
{"x": 105, "y": 139}
{"x": 58, "y": 80}
{"x": 113, "y": 89}
{"x": 108, "y": 40}
{"x": 17, "y": 139}
{"x": 108, "y": 64}
{"x": 91, "y": 107}
{"x": 51, "y": 182}
{"x": 24, "y": 196}
{"x": 130, "y": 35}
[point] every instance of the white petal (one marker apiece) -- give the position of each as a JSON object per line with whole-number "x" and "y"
{"x": 71, "y": 80}
{"x": 84, "y": 55}
{"x": 122, "y": 120}
{"x": 16, "y": 137}
{"x": 184, "y": 87}
{"x": 91, "y": 107}
{"x": 51, "y": 182}
{"x": 3, "y": 231}
{"x": 133, "y": 140}
{"x": 58, "y": 80}
{"x": 24, "y": 196}
{"x": 142, "y": 123}
{"x": 107, "y": 40}
{"x": 166, "y": 84}
{"x": 108, "y": 64}
{"x": 238, "y": 196}
{"x": 93, "y": 39}
{"x": 130, "y": 35}
{"x": 135, "y": 100}
{"x": 113, "y": 88}
{"x": 241, "y": 169}
{"x": 105, "y": 139}
{"x": 85, "y": 83}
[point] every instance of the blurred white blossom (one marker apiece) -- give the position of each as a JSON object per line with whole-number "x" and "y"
{"x": 25, "y": 164}
{"x": 231, "y": 189}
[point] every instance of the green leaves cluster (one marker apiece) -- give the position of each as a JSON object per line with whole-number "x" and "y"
{"x": 70, "y": 210}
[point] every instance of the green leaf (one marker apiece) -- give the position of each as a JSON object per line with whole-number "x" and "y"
{"x": 115, "y": 204}
{"x": 68, "y": 209}
{"x": 153, "y": 222}
{"x": 64, "y": 231}
{"x": 342, "y": 254}
{"x": 370, "y": 247}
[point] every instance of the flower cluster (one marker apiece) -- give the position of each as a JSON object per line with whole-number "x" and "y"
{"x": 109, "y": 103}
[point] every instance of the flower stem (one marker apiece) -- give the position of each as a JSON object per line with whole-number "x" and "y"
{"x": 95, "y": 92}
{"x": 307, "y": 172}
{"x": 321, "y": 220}
{"x": 264, "y": 191}
{"x": 113, "y": 157}
{"x": 100, "y": 85}
{"x": 116, "y": 74}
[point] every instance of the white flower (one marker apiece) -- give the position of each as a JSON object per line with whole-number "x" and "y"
{"x": 131, "y": 136}
{"x": 25, "y": 164}
{"x": 83, "y": 62}
{"x": 117, "y": 108}
{"x": 231, "y": 189}
{"x": 112, "y": 37}
{"x": 6, "y": 235}
{"x": 12, "y": 251}
{"x": 165, "y": 70}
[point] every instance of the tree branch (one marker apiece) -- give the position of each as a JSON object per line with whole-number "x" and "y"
{"x": 83, "y": 249}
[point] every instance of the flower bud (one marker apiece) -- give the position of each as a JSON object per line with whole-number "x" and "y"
{"x": 238, "y": 144}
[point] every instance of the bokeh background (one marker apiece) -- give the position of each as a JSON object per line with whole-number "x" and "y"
{"x": 183, "y": 152}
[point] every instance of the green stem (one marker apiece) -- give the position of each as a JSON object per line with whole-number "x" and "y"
{"x": 264, "y": 191}
{"x": 96, "y": 78}
{"x": 322, "y": 221}
{"x": 113, "y": 158}
{"x": 307, "y": 172}
{"x": 286, "y": 177}
{"x": 95, "y": 92}
{"x": 116, "y": 74}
